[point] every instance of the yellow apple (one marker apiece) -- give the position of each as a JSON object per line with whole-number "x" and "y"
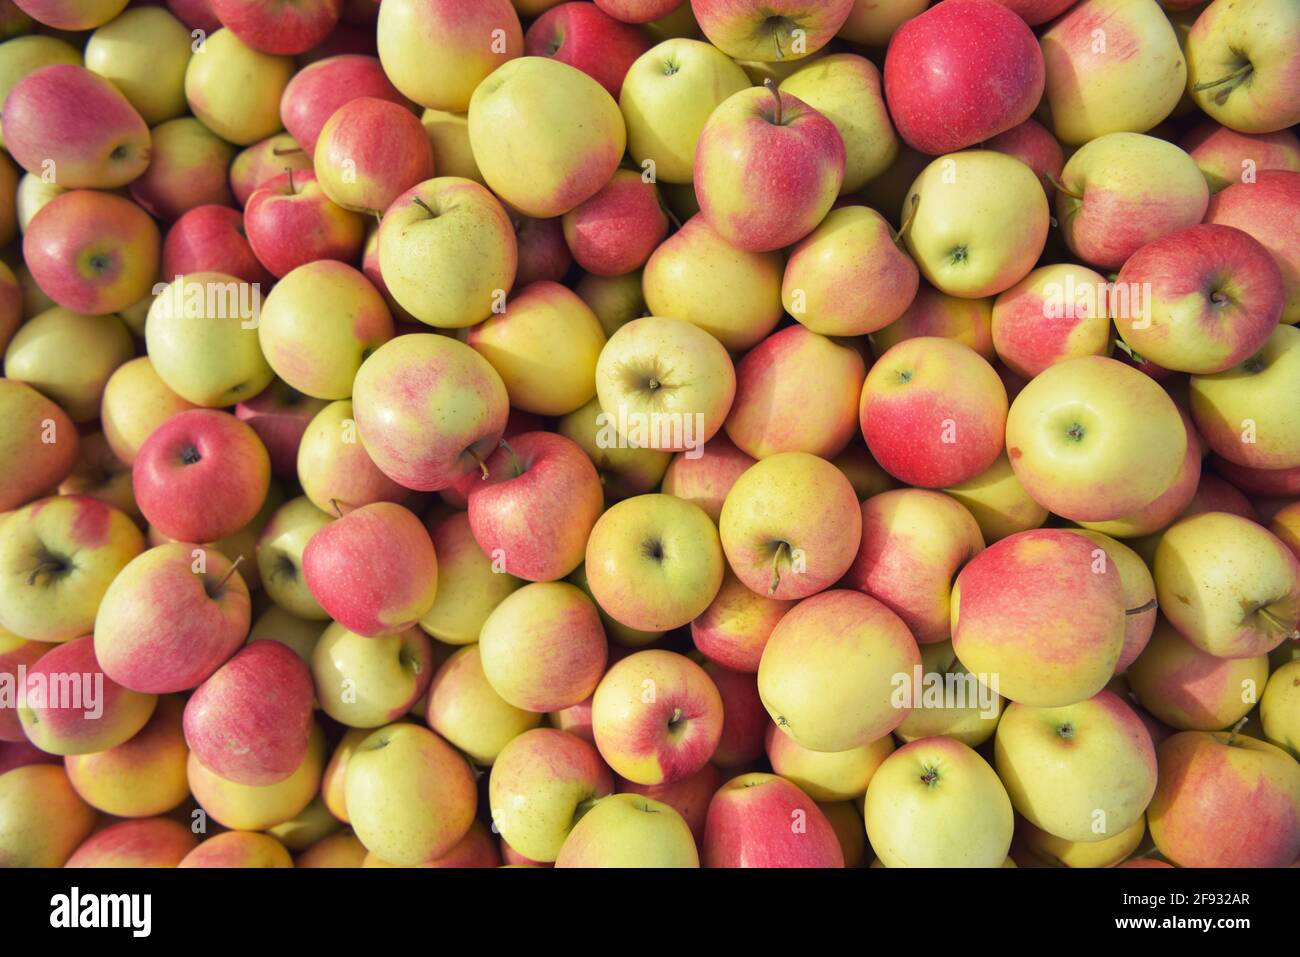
{"x": 464, "y": 709}
{"x": 241, "y": 113}
{"x": 999, "y": 502}
{"x": 38, "y": 355}
{"x": 42, "y": 820}
{"x": 826, "y": 775}
{"x": 144, "y": 52}
{"x": 1279, "y": 709}
{"x": 629, "y": 830}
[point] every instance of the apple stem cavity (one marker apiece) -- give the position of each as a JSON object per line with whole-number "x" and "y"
{"x": 1278, "y": 623}
{"x": 48, "y": 566}
{"x": 776, "y": 94}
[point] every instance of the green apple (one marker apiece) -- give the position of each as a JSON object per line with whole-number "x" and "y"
{"x": 38, "y": 355}
{"x": 1279, "y": 708}
{"x": 135, "y": 402}
{"x": 616, "y": 300}
{"x": 366, "y": 682}
{"x": 629, "y": 830}
{"x": 1241, "y": 60}
{"x": 826, "y": 775}
{"x": 470, "y": 585}
{"x": 279, "y": 556}
{"x": 624, "y": 469}
{"x": 449, "y": 135}
{"x": 464, "y": 709}
{"x": 999, "y": 502}
{"x": 144, "y": 52}
{"x": 241, "y": 113}
{"x": 1107, "y": 852}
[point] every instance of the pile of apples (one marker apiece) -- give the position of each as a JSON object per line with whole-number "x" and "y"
{"x": 650, "y": 433}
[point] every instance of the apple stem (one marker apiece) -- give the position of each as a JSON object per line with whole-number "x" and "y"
{"x": 1061, "y": 188}
{"x": 672, "y": 217}
{"x": 482, "y": 466}
{"x": 229, "y": 571}
{"x": 292, "y": 189}
{"x": 423, "y": 205}
{"x": 1277, "y": 623}
{"x": 514, "y": 459}
{"x": 1235, "y": 730}
{"x": 1141, "y": 608}
{"x": 911, "y": 215}
{"x": 1236, "y": 74}
{"x": 782, "y": 549}
{"x": 777, "y": 95}
{"x": 283, "y": 152}
{"x": 337, "y": 511}
{"x": 45, "y": 567}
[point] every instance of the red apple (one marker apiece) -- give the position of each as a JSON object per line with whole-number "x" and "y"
{"x": 1033, "y": 144}
{"x": 212, "y": 239}
{"x": 290, "y": 221}
{"x": 588, "y": 38}
{"x": 280, "y": 415}
{"x": 639, "y": 11}
{"x": 286, "y": 27}
{"x": 316, "y": 91}
{"x": 706, "y": 478}
{"x": 761, "y": 820}
{"x": 744, "y": 719}
{"x": 615, "y": 231}
{"x": 543, "y": 253}
{"x": 263, "y": 161}
{"x": 188, "y": 167}
{"x": 369, "y": 152}
{"x": 1267, "y": 208}
{"x": 147, "y": 842}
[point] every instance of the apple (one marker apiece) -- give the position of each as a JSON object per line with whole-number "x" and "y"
{"x": 290, "y": 221}
{"x": 1084, "y": 772}
{"x": 1124, "y": 190}
{"x": 320, "y": 88}
{"x": 38, "y": 352}
{"x": 280, "y": 548}
{"x": 828, "y": 668}
{"x": 1190, "y": 689}
{"x": 1035, "y": 146}
{"x": 265, "y": 160}
{"x": 666, "y": 97}
{"x": 287, "y": 27}
{"x": 1254, "y": 787}
{"x": 250, "y": 720}
{"x": 1241, "y": 64}
{"x": 543, "y": 254}
{"x": 826, "y": 775}
{"x": 366, "y": 682}
{"x": 767, "y": 169}
{"x": 334, "y": 468}
{"x": 1268, "y": 208}
{"x": 449, "y": 134}
{"x": 874, "y": 22}
{"x": 1277, "y": 708}
{"x": 1108, "y": 852}
{"x": 937, "y": 388}
{"x": 731, "y": 293}
{"x": 70, "y": 707}
{"x": 1055, "y": 313}
{"x": 240, "y": 113}
{"x": 27, "y": 54}
{"x": 546, "y": 136}
{"x": 1097, "y": 417}
{"x": 763, "y": 820}
{"x": 975, "y": 222}
{"x": 15, "y": 652}
{"x": 212, "y": 239}
{"x": 98, "y": 474}
{"x": 63, "y": 120}
{"x": 58, "y": 557}
{"x": 374, "y": 570}
{"x": 744, "y": 719}
{"x": 588, "y": 38}
{"x": 1225, "y": 156}
{"x": 428, "y": 410}
{"x": 540, "y": 783}
{"x": 280, "y": 414}
{"x": 240, "y": 849}
{"x": 464, "y": 708}
{"x": 689, "y": 797}
{"x": 448, "y": 253}
{"x": 790, "y": 526}
{"x": 935, "y": 313}
{"x": 543, "y": 647}
{"x": 187, "y": 169}
{"x": 152, "y": 842}
{"x": 913, "y": 544}
{"x": 616, "y": 230}
{"x": 171, "y": 618}
{"x": 438, "y": 53}
{"x": 628, "y": 11}
{"x": 629, "y": 830}
{"x": 960, "y": 73}
{"x": 849, "y": 276}
{"x": 1139, "y": 595}
{"x": 1068, "y": 581}
{"x": 42, "y": 820}
{"x": 772, "y": 30}
{"x": 70, "y": 17}
{"x": 706, "y": 478}
{"x": 736, "y": 626}
{"x": 624, "y": 469}
{"x": 476, "y": 849}
{"x": 469, "y": 587}
{"x": 949, "y": 700}
{"x": 1229, "y": 586}
{"x": 339, "y": 850}
{"x": 1126, "y": 79}
{"x": 863, "y": 472}
{"x": 142, "y": 776}
{"x": 936, "y": 803}
{"x": 369, "y": 152}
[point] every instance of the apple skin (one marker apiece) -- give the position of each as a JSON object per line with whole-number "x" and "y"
{"x": 37, "y": 355}
{"x": 429, "y": 410}
{"x": 1139, "y": 593}
{"x": 42, "y": 821}
{"x": 706, "y": 479}
{"x": 1268, "y": 208}
{"x": 1035, "y": 146}
{"x": 537, "y": 505}
{"x": 469, "y": 587}
{"x": 317, "y": 90}
{"x": 476, "y": 849}
{"x": 1068, "y": 770}
{"x": 933, "y": 412}
{"x": 335, "y": 469}
{"x": 543, "y": 254}
{"x": 564, "y": 122}
{"x": 961, "y": 72}
{"x": 464, "y": 709}
{"x": 588, "y": 38}
{"x": 92, "y": 252}
{"x": 731, "y": 293}
{"x": 966, "y": 719}
{"x": 744, "y": 718}
{"x": 751, "y": 823}
{"x": 369, "y": 152}
{"x": 374, "y": 570}
{"x": 543, "y": 648}
{"x": 629, "y": 830}
{"x": 1225, "y": 156}
{"x": 240, "y": 113}
{"x": 140, "y": 777}
{"x": 689, "y": 797}
{"x": 1036, "y": 12}
{"x": 1253, "y": 789}
{"x": 1133, "y": 84}
{"x": 150, "y": 842}
{"x": 1124, "y": 190}
{"x": 239, "y": 849}
{"x": 187, "y": 168}
{"x": 280, "y": 414}
{"x": 438, "y": 53}
{"x": 290, "y": 221}
{"x": 849, "y": 276}
{"x": 338, "y": 850}
{"x": 735, "y": 627}
{"x": 539, "y": 783}
{"x": 163, "y": 627}
{"x": 768, "y": 168}
{"x": 1108, "y": 852}
{"x": 615, "y": 231}
{"x": 662, "y": 737}
{"x": 770, "y": 30}
{"x": 367, "y": 682}
{"x": 790, "y": 526}
{"x": 1265, "y": 35}
{"x": 623, "y": 472}
{"x": 996, "y": 627}
{"x": 1277, "y": 708}
{"x": 913, "y": 543}
{"x": 201, "y": 476}
{"x": 628, "y": 11}
{"x": 286, "y": 28}
{"x": 69, "y": 727}
{"x": 1036, "y": 323}
{"x": 46, "y": 116}
{"x": 15, "y": 651}
{"x": 265, "y": 160}
{"x": 826, "y": 775}
{"x": 1190, "y": 689}
{"x": 1126, "y": 435}
{"x": 768, "y": 415}
{"x": 250, "y": 721}
{"x": 1229, "y": 586}
{"x": 212, "y": 239}
{"x": 828, "y": 669}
